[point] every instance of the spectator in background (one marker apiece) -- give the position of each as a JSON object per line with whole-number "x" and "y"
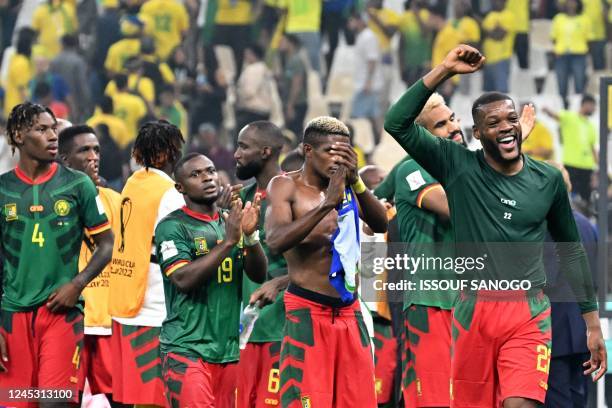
{"x": 153, "y": 67}
{"x": 167, "y": 22}
{"x": 43, "y": 95}
{"x": 71, "y": 66}
{"x": 130, "y": 108}
{"x": 520, "y": 9}
{"x": 416, "y": 38}
{"x": 138, "y": 84}
{"x": 103, "y": 115}
{"x": 172, "y": 110}
{"x": 498, "y": 43}
{"x": 20, "y": 71}
{"x": 579, "y": 140}
{"x": 210, "y": 92}
{"x": 293, "y": 84}
{"x": 131, "y": 30}
{"x": 52, "y": 20}
{"x": 59, "y": 87}
{"x": 305, "y": 24}
{"x": 207, "y": 142}
{"x": 113, "y": 158}
{"x": 594, "y": 10}
{"x": 570, "y": 32}
{"x": 233, "y": 27}
{"x": 184, "y": 75}
{"x": 108, "y": 32}
{"x": 539, "y": 145}
{"x": 268, "y": 20}
{"x": 9, "y": 11}
{"x": 333, "y": 19}
{"x": 254, "y": 89}
{"x": 368, "y": 81}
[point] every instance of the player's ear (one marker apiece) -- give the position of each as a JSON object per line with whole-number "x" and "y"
{"x": 475, "y": 132}
{"x": 179, "y": 188}
{"x": 306, "y": 149}
{"x": 266, "y": 152}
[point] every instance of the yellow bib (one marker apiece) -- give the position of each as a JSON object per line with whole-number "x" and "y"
{"x": 140, "y": 200}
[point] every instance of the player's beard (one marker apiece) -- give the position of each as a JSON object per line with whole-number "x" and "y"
{"x": 492, "y": 149}
{"x": 460, "y": 132}
{"x": 251, "y": 169}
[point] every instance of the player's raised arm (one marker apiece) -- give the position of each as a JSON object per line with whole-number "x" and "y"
{"x": 399, "y": 120}
{"x": 282, "y": 232}
{"x": 255, "y": 261}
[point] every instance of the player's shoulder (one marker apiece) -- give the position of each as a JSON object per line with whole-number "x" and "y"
{"x": 284, "y": 182}
{"x": 248, "y": 191}
{"x": 66, "y": 174}
{"x": 172, "y": 220}
{"x": 542, "y": 169}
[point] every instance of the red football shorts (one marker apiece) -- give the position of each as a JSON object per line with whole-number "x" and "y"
{"x": 136, "y": 367}
{"x": 326, "y": 357}
{"x": 501, "y": 348}
{"x": 385, "y": 359}
{"x": 44, "y": 351}
{"x": 97, "y": 363}
{"x": 259, "y": 376}
{"x": 194, "y": 383}
{"x": 426, "y": 357}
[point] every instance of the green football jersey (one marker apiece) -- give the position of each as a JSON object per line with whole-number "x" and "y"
{"x": 420, "y": 229}
{"x": 269, "y": 324}
{"x": 41, "y": 229}
{"x": 386, "y": 189}
{"x": 204, "y": 323}
{"x": 488, "y": 208}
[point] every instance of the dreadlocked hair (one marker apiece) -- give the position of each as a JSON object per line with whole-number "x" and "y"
{"x": 22, "y": 118}
{"x": 157, "y": 144}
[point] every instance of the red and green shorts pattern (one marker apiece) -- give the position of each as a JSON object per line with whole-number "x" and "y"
{"x": 44, "y": 351}
{"x": 426, "y": 343}
{"x": 137, "y": 377}
{"x": 98, "y": 363}
{"x": 501, "y": 348}
{"x": 326, "y": 357}
{"x": 193, "y": 382}
{"x": 385, "y": 360}
{"x": 259, "y": 375}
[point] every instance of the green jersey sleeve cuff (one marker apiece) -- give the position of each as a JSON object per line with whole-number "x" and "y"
{"x": 586, "y": 307}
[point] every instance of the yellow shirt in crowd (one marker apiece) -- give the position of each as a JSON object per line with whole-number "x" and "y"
{"x": 539, "y": 138}
{"x": 233, "y": 12}
{"x": 139, "y": 84}
{"x": 520, "y": 9}
{"x": 464, "y": 30}
{"x": 594, "y": 10}
{"x": 52, "y": 22}
{"x": 165, "y": 21}
{"x": 497, "y": 51}
{"x": 571, "y": 34}
{"x": 20, "y": 73}
{"x": 302, "y": 15}
{"x": 116, "y": 127}
{"x": 119, "y": 52}
{"x": 388, "y": 18}
{"x": 130, "y": 109}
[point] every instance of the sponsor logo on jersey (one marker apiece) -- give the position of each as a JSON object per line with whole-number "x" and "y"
{"x": 10, "y": 211}
{"x": 37, "y": 208}
{"x": 306, "y": 402}
{"x": 62, "y": 208}
{"x": 508, "y": 202}
{"x": 201, "y": 246}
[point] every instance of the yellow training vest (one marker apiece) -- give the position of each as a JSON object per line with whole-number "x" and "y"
{"x": 96, "y": 293}
{"x": 129, "y": 273}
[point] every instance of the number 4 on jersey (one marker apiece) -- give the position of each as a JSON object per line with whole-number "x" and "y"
{"x": 37, "y": 236}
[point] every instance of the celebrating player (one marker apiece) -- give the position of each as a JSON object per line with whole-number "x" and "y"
{"x": 326, "y": 356}
{"x": 259, "y": 147}
{"x": 203, "y": 256}
{"x": 45, "y": 209}
{"x": 137, "y": 303}
{"x": 79, "y": 149}
{"x": 499, "y": 195}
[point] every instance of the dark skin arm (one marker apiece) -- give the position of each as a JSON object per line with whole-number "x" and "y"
{"x": 267, "y": 293}
{"x": 436, "y": 202}
{"x": 202, "y": 269}
{"x": 255, "y": 261}
{"x": 66, "y": 296}
{"x": 282, "y": 232}
{"x": 372, "y": 211}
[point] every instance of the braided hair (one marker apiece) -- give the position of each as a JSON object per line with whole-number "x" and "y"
{"x": 22, "y": 118}
{"x": 157, "y": 144}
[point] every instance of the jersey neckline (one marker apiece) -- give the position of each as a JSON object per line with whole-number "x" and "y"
{"x": 199, "y": 215}
{"x": 40, "y": 180}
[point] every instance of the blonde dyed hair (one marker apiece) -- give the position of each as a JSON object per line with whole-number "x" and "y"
{"x": 326, "y": 125}
{"x": 433, "y": 102}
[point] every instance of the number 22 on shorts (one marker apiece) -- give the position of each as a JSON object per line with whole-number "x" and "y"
{"x": 543, "y": 364}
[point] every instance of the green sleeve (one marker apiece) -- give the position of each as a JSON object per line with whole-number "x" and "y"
{"x": 91, "y": 209}
{"x": 410, "y": 182}
{"x": 386, "y": 189}
{"x": 172, "y": 245}
{"x": 436, "y": 155}
{"x": 573, "y": 260}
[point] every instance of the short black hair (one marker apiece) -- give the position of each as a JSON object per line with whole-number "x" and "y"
{"x": 25, "y": 40}
{"x": 22, "y": 117}
{"x": 485, "y": 99}
{"x": 42, "y": 90}
{"x": 70, "y": 41}
{"x": 181, "y": 162}
{"x": 293, "y": 161}
{"x": 157, "y": 144}
{"x": 257, "y": 50}
{"x": 67, "y": 135}
{"x": 587, "y": 98}
{"x": 121, "y": 80}
{"x": 147, "y": 45}
{"x": 270, "y": 134}
{"x": 106, "y": 104}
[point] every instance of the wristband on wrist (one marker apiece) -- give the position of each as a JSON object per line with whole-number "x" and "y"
{"x": 359, "y": 186}
{"x": 251, "y": 240}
